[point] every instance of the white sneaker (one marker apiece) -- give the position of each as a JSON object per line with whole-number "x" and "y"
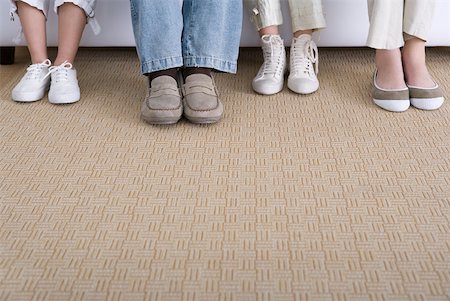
{"x": 64, "y": 87}
{"x": 270, "y": 77}
{"x": 304, "y": 65}
{"x": 34, "y": 83}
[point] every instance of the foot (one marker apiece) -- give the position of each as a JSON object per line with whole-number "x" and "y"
{"x": 270, "y": 77}
{"x": 414, "y": 65}
{"x": 64, "y": 87}
{"x": 389, "y": 70}
{"x": 425, "y": 93}
{"x": 426, "y": 98}
{"x": 304, "y": 65}
{"x": 163, "y": 102}
{"x": 393, "y": 100}
{"x": 34, "y": 83}
{"x": 201, "y": 101}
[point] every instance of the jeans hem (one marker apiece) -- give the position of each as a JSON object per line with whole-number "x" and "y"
{"x": 161, "y": 64}
{"x": 211, "y": 62}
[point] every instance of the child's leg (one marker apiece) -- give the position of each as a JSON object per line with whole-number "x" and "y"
{"x": 385, "y": 35}
{"x": 301, "y": 32}
{"x": 72, "y": 21}
{"x": 202, "y": 25}
{"x": 417, "y": 22}
{"x": 389, "y": 69}
{"x": 158, "y": 27}
{"x": 33, "y": 24}
{"x": 269, "y": 30}
{"x": 414, "y": 65}
{"x": 306, "y": 16}
{"x": 266, "y": 15}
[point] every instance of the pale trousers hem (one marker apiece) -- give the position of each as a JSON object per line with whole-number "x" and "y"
{"x": 268, "y": 13}
{"x": 392, "y": 22}
{"x": 308, "y": 22}
{"x": 262, "y": 21}
{"x": 305, "y": 22}
{"x": 396, "y": 43}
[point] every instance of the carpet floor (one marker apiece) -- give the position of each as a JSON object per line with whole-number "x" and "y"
{"x": 320, "y": 197}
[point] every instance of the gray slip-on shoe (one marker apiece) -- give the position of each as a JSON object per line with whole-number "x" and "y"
{"x": 394, "y": 100}
{"x": 426, "y": 98}
{"x": 200, "y": 99}
{"x": 162, "y": 104}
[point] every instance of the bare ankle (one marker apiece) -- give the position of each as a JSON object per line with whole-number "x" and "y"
{"x": 390, "y": 69}
{"x": 414, "y": 64}
{"x": 59, "y": 61}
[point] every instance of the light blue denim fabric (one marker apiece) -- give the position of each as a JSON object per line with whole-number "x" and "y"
{"x": 190, "y": 33}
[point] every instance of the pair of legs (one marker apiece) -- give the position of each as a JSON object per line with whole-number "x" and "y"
{"x": 397, "y": 67}
{"x": 60, "y": 78}
{"x": 402, "y": 78}
{"x": 71, "y": 22}
{"x": 306, "y": 16}
{"x": 194, "y": 35}
{"x": 394, "y": 23}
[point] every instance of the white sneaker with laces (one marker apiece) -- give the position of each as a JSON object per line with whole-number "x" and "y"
{"x": 64, "y": 87}
{"x": 304, "y": 65}
{"x": 270, "y": 77}
{"x": 34, "y": 83}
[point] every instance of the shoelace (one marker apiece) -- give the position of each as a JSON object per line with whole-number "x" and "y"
{"x": 61, "y": 71}
{"x": 306, "y": 59}
{"x": 271, "y": 61}
{"x": 34, "y": 71}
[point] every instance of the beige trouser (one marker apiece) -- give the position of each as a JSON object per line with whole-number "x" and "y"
{"x": 305, "y": 14}
{"x": 394, "y": 21}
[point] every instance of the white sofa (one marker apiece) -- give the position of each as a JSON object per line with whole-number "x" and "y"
{"x": 347, "y": 25}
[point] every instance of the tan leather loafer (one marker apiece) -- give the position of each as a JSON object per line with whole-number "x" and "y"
{"x": 200, "y": 99}
{"x": 162, "y": 104}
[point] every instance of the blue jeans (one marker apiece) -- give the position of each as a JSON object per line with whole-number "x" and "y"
{"x": 189, "y": 33}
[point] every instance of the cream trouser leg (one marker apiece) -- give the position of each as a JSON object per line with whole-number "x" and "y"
{"x": 305, "y": 14}
{"x": 393, "y": 21}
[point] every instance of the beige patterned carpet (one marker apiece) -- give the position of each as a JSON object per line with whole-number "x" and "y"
{"x": 324, "y": 197}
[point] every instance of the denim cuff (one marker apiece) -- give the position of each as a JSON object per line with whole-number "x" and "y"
{"x": 161, "y": 64}
{"x": 211, "y": 62}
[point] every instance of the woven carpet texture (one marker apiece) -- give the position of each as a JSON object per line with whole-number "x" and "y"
{"x": 320, "y": 197}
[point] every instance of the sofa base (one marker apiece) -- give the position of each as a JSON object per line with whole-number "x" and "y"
{"x": 7, "y": 55}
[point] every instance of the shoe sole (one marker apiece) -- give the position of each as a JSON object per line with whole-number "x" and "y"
{"x": 208, "y": 120}
{"x": 427, "y": 104}
{"x": 396, "y": 106}
{"x": 67, "y": 99}
{"x": 161, "y": 121}
{"x": 303, "y": 92}
{"x": 268, "y": 90}
{"x": 27, "y": 97}
{"x": 214, "y": 116}
{"x": 63, "y": 102}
